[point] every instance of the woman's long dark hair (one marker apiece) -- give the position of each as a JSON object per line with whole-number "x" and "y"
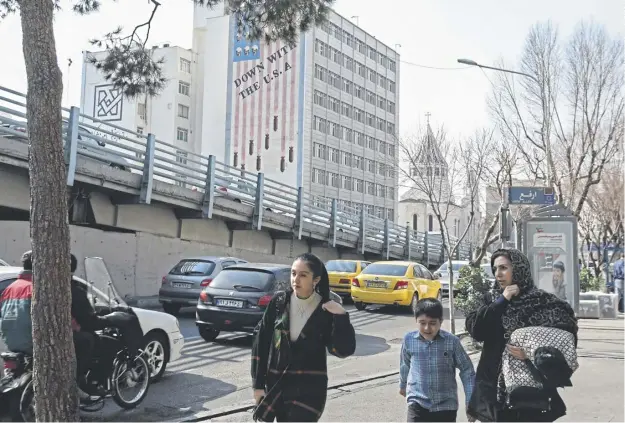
{"x": 319, "y": 270}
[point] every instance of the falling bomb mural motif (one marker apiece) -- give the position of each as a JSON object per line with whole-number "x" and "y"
{"x": 265, "y": 105}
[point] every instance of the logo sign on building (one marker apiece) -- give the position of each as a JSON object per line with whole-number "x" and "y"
{"x": 265, "y": 98}
{"x": 108, "y": 103}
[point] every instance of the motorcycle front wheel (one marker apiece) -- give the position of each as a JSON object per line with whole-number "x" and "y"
{"x": 132, "y": 375}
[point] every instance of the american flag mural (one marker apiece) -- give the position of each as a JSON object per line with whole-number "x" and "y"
{"x": 264, "y": 119}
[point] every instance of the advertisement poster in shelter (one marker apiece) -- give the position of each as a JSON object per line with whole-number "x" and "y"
{"x": 552, "y": 258}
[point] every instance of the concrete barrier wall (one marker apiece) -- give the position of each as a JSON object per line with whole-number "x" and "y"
{"x": 138, "y": 261}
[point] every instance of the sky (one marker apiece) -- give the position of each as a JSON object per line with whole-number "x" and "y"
{"x": 432, "y": 33}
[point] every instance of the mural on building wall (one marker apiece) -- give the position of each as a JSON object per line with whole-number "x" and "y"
{"x": 265, "y": 100}
{"x": 108, "y": 103}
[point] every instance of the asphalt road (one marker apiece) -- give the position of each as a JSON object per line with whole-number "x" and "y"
{"x": 215, "y": 376}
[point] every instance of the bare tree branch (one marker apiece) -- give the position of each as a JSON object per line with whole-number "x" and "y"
{"x": 574, "y": 106}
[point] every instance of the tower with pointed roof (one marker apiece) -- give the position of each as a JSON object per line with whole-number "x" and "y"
{"x": 429, "y": 165}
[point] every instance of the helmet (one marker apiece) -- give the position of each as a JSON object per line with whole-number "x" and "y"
{"x": 27, "y": 260}
{"x": 73, "y": 263}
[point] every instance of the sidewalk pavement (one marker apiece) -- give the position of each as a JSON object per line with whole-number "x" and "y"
{"x": 596, "y": 395}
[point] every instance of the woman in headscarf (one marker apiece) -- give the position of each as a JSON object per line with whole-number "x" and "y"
{"x": 514, "y": 303}
{"x": 289, "y": 359}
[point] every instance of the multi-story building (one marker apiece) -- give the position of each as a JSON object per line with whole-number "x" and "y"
{"x": 322, "y": 114}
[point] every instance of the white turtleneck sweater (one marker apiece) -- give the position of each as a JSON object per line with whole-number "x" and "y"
{"x": 300, "y": 311}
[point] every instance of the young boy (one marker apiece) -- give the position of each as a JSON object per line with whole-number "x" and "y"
{"x": 429, "y": 359}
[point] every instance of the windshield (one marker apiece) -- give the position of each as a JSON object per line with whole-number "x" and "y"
{"x": 456, "y": 265}
{"x": 243, "y": 280}
{"x": 385, "y": 269}
{"x": 193, "y": 267}
{"x": 99, "y": 278}
{"x": 341, "y": 266}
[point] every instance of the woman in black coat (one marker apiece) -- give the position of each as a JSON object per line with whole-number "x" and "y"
{"x": 289, "y": 360}
{"x": 515, "y": 303}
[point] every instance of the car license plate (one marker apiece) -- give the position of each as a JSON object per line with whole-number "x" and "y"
{"x": 376, "y": 284}
{"x": 229, "y": 303}
{"x": 181, "y": 285}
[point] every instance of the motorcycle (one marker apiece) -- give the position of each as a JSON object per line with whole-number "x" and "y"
{"x": 17, "y": 375}
{"x": 117, "y": 365}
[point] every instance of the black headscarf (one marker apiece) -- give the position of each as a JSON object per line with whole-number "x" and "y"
{"x": 532, "y": 306}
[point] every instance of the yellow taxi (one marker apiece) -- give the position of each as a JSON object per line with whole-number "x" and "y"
{"x": 341, "y": 273}
{"x": 400, "y": 283}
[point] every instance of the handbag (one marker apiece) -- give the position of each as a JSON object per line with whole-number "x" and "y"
{"x": 525, "y": 383}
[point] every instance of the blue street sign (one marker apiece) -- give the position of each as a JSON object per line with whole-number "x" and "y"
{"x": 531, "y": 195}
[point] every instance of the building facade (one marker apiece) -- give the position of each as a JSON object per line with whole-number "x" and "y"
{"x": 322, "y": 114}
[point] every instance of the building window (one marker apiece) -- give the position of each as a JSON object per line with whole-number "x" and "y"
{"x": 349, "y": 39}
{"x": 382, "y": 147}
{"x": 382, "y": 124}
{"x": 391, "y": 193}
{"x": 391, "y": 86}
{"x": 181, "y": 157}
{"x": 182, "y": 135}
{"x": 390, "y": 128}
{"x": 359, "y": 91}
{"x": 381, "y": 190}
{"x": 320, "y": 124}
{"x": 318, "y": 176}
{"x": 381, "y": 103}
{"x": 373, "y": 77}
{"x": 373, "y": 54}
{"x": 139, "y": 130}
{"x": 371, "y": 142}
{"x": 391, "y": 107}
{"x": 335, "y": 130}
{"x": 141, "y": 111}
{"x": 335, "y": 104}
{"x": 334, "y": 155}
{"x": 370, "y": 97}
{"x": 320, "y": 151}
{"x": 391, "y": 150}
{"x": 359, "y": 115}
{"x": 321, "y": 99}
{"x": 391, "y": 64}
{"x": 183, "y": 111}
{"x": 381, "y": 169}
{"x": 370, "y": 165}
{"x": 348, "y": 86}
{"x": 370, "y": 188}
{"x": 370, "y": 120}
{"x": 335, "y": 80}
{"x": 346, "y": 110}
{"x": 430, "y": 223}
{"x": 360, "y": 139}
{"x": 337, "y": 57}
{"x": 349, "y": 63}
{"x": 359, "y": 185}
{"x": 382, "y": 81}
{"x": 348, "y": 134}
{"x": 347, "y": 159}
{"x": 390, "y": 214}
{"x": 361, "y": 69}
{"x": 321, "y": 73}
{"x": 334, "y": 179}
{"x": 346, "y": 182}
{"x": 184, "y": 88}
{"x": 359, "y": 162}
{"x": 415, "y": 221}
{"x": 185, "y": 65}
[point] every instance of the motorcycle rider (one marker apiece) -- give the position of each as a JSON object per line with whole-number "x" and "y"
{"x": 15, "y": 323}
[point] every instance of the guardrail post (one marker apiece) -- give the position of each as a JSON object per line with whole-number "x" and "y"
{"x": 426, "y": 249}
{"x": 408, "y": 247}
{"x": 71, "y": 144}
{"x": 387, "y": 240}
{"x": 257, "y": 218}
{"x": 333, "y": 222}
{"x": 362, "y": 231}
{"x": 147, "y": 179}
{"x": 299, "y": 212}
{"x": 209, "y": 189}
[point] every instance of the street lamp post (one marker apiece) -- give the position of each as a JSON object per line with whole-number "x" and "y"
{"x": 546, "y": 118}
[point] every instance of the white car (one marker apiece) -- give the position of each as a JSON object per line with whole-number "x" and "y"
{"x": 163, "y": 340}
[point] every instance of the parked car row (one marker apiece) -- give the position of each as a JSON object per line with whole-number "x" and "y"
{"x": 229, "y": 294}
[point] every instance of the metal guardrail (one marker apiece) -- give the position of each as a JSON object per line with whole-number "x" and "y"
{"x": 154, "y": 159}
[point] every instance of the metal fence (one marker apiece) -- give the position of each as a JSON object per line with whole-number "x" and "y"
{"x": 154, "y": 159}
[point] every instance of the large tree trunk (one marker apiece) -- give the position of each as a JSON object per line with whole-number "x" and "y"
{"x": 54, "y": 360}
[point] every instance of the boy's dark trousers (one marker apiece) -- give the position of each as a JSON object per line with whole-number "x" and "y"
{"x": 416, "y": 413}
